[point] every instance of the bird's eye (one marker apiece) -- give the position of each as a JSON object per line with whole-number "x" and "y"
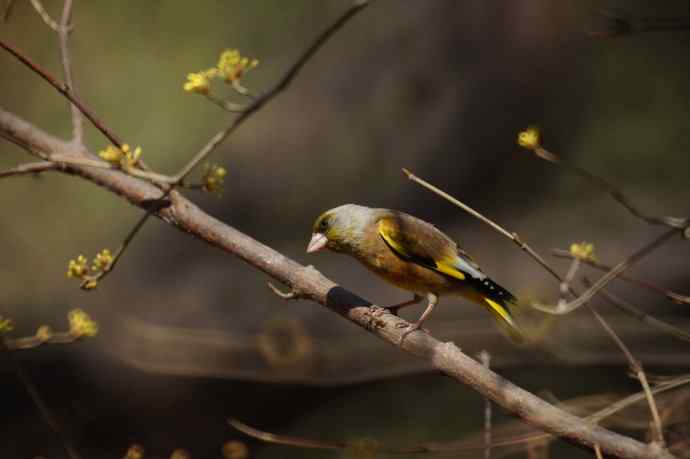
{"x": 323, "y": 224}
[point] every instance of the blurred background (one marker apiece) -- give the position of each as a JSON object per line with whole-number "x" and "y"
{"x": 190, "y": 336}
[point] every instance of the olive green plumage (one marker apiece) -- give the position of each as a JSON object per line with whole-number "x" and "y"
{"x": 411, "y": 254}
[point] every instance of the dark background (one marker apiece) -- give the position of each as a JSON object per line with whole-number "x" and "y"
{"x": 439, "y": 87}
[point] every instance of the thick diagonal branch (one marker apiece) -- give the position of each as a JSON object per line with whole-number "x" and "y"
{"x": 445, "y": 357}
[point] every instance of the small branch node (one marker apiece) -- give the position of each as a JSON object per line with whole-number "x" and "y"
{"x": 291, "y": 294}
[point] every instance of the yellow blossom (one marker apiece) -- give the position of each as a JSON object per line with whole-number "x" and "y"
{"x": 232, "y": 65}
{"x": 198, "y": 82}
{"x": 529, "y": 138}
{"x": 583, "y": 251}
{"x": 111, "y": 154}
{"x": 102, "y": 261}
{"x": 123, "y": 157}
{"x": 77, "y": 268}
{"x": 213, "y": 178}
{"x": 131, "y": 158}
{"x": 44, "y": 333}
{"x": 80, "y": 324}
{"x": 89, "y": 284}
{"x": 5, "y": 325}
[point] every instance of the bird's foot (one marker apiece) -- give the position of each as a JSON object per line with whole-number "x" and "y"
{"x": 410, "y": 328}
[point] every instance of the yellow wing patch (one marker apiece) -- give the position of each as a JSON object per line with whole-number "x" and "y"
{"x": 391, "y": 234}
{"x": 388, "y": 231}
{"x": 449, "y": 270}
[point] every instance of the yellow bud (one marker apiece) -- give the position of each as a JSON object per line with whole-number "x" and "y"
{"x": 583, "y": 251}
{"x": 198, "y": 83}
{"x": 80, "y": 324}
{"x": 6, "y": 325}
{"x": 44, "y": 333}
{"x": 111, "y": 154}
{"x": 529, "y": 138}
{"x": 77, "y": 268}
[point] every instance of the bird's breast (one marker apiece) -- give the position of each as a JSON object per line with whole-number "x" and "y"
{"x": 405, "y": 274}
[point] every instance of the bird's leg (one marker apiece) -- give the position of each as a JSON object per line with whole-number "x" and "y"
{"x": 433, "y": 299}
{"x": 393, "y": 309}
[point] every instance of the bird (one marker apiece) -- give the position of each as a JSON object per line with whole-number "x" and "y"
{"x": 413, "y": 255}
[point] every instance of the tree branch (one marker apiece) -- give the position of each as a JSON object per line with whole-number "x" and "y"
{"x": 445, "y": 357}
{"x": 30, "y": 169}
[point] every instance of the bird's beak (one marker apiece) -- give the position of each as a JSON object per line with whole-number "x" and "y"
{"x": 318, "y": 242}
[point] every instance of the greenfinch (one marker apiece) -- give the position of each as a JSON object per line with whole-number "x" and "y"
{"x": 413, "y": 255}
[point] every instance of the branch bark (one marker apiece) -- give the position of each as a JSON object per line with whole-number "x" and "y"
{"x": 446, "y": 357}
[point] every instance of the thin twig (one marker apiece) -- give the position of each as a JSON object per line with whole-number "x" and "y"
{"x": 644, "y": 317}
{"x": 63, "y": 34}
{"x": 580, "y": 299}
{"x": 454, "y": 446}
{"x": 281, "y": 85}
{"x": 636, "y": 367}
{"x": 615, "y": 193}
{"x": 597, "y": 451}
{"x": 123, "y": 246}
{"x": 512, "y": 236}
{"x": 671, "y": 295}
{"x": 9, "y": 5}
{"x": 612, "y": 24}
{"x": 565, "y": 284}
{"x": 30, "y": 168}
{"x": 444, "y": 357}
{"x": 608, "y": 277}
{"x": 485, "y": 358}
{"x": 64, "y": 90}
{"x": 288, "y": 295}
{"x": 49, "y": 21}
{"x": 36, "y": 398}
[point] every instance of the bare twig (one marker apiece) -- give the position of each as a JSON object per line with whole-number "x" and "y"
{"x": 49, "y": 21}
{"x": 65, "y": 90}
{"x": 565, "y": 283}
{"x": 30, "y": 169}
{"x": 458, "y": 446}
{"x": 615, "y": 193}
{"x": 671, "y": 295}
{"x": 636, "y": 367}
{"x": 63, "y": 34}
{"x": 485, "y": 358}
{"x": 611, "y": 24}
{"x": 512, "y": 236}
{"x": 36, "y": 398}
{"x": 289, "y": 295}
{"x": 177, "y": 180}
{"x": 644, "y": 317}
{"x": 597, "y": 451}
{"x": 444, "y": 357}
{"x": 33, "y": 341}
{"x": 279, "y": 87}
{"x": 609, "y": 276}
{"x": 9, "y": 5}
{"x": 581, "y": 299}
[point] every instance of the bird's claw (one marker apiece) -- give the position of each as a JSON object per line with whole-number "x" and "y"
{"x": 410, "y": 328}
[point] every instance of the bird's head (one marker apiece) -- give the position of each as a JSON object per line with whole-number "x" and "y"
{"x": 339, "y": 229}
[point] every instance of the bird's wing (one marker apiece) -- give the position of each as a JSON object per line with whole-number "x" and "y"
{"x": 419, "y": 242}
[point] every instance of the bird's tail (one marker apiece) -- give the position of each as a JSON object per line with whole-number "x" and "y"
{"x": 498, "y": 301}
